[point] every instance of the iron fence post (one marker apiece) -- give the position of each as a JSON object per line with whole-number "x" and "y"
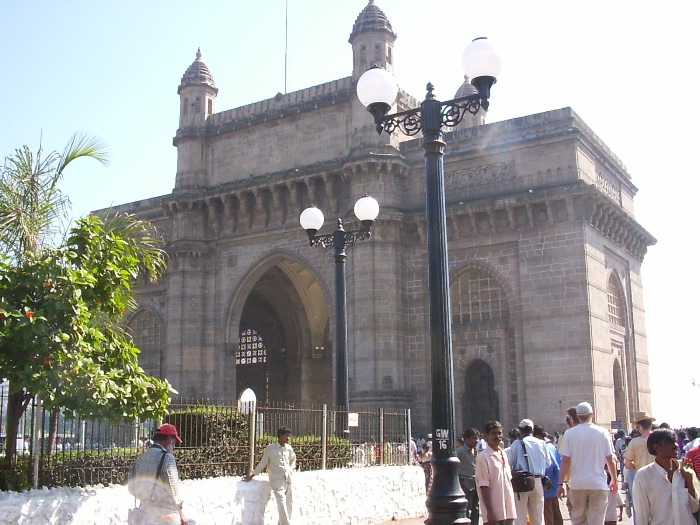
{"x": 324, "y": 437}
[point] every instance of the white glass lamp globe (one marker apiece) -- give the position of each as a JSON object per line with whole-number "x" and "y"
{"x": 366, "y": 208}
{"x": 480, "y": 59}
{"x": 377, "y": 85}
{"x": 311, "y": 218}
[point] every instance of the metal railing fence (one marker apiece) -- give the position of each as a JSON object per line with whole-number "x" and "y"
{"x": 216, "y": 441}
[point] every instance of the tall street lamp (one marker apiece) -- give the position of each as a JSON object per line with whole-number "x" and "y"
{"x": 377, "y": 90}
{"x": 311, "y": 219}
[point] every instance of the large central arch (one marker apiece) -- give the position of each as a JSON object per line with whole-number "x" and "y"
{"x": 279, "y": 329}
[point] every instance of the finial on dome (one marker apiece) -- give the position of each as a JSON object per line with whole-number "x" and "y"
{"x": 199, "y": 54}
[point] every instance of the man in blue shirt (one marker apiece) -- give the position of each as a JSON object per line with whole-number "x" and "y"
{"x": 552, "y": 511}
{"x": 530, "y": 454}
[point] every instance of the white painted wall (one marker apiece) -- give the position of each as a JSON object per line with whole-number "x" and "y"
{"x": 361, "y": 496}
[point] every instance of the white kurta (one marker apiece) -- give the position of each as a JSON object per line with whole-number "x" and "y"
{"x": 657, "y": 501}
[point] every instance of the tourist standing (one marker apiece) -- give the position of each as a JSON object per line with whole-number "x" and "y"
{"x": 665, "y": 492}
{"x": 552, "y": 510}
{"x": 280, "y": 461}
{"x": 467, "y": 472}
{"x": 636, "y": 454}
{"x": 493, "y": 479}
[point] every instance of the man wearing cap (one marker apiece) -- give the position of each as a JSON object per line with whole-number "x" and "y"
{"x": 585, "y": 452}
{"x": 637, "y": 454}
{"x": 530, "y": 454}
{"x": 280, "y": 460}
{"x": 155, "y": 482}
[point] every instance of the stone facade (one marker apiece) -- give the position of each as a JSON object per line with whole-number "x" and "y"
{"x": 544, "y": 257}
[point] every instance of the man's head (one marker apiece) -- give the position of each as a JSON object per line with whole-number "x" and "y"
{"x": 571, "y": 417}
{"x": 525, "y": 427}
{"x": 283, "y": 435}
{"x": 662, "y": 443}
{"x": 584, "y": 412}
{"x": 539, "y": 432}
{"x": 166, "y": 435}
{"x": 693, "y": 433}
{"x": 471, "y": 436}
{"x": 643, "y": 422}
{"x": 493, "y": 433}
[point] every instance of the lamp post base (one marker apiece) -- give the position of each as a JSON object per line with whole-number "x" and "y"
{"x": 446, "y": 502}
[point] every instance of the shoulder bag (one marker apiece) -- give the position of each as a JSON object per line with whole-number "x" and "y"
{"x": 523, "y": 480}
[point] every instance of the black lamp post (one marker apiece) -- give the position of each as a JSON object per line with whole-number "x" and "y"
{"x": 377, "y": 90}
{"x": 311, "y": 219}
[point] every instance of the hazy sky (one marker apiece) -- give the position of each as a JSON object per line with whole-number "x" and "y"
{"x": 112, "y": 69}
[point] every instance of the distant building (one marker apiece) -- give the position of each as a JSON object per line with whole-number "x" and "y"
{"x": 544, "y": 257}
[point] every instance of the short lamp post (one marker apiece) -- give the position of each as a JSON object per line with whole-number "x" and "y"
{"x": 377, "y": 89}
{"x": 311, "y": 219}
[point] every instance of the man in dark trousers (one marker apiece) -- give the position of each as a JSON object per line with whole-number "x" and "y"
{"x": 467, "y": 469}
{"x": 155, "y": 482}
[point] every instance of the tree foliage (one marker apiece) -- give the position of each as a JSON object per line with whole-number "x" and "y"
{"x": 60, "y": 321}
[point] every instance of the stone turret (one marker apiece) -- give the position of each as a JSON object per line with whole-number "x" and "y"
{"x": 372, "y": 40}
{"x": 197, "y": 93}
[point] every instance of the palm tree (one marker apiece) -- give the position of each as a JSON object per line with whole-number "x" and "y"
{"x": 33, "y": 211}
{"x": 32, "y": 207}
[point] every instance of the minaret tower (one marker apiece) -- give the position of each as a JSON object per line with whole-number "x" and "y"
{"x": 197, "y": 93}
{"x": 372, "y": 41}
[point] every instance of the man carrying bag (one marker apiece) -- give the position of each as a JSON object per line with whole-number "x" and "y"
{"x": 155, "y": 482}
{"x": 529, "y": 454}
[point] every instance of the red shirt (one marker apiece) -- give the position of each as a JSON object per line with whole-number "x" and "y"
{"x": 693, "y": 457}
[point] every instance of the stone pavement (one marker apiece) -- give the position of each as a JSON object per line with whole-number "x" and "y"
{"x": 564, "y": 512}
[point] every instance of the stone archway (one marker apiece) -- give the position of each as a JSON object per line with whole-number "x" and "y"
{"x": 480, "y": 395}
{"x": 280, "y": 338}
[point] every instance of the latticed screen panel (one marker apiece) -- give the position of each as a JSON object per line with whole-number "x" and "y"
{"x": 251, "y": 349}
{"x": 476, "y": 296}
{"x": 149, "y": 336}
{"x": 616, "y": 302}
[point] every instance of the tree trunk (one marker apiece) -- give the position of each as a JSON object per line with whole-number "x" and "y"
{"x": 17, "y": 402}
{"x": 53, "y": 431}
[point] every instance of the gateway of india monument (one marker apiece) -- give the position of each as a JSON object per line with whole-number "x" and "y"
{"x": 544, "y": 257}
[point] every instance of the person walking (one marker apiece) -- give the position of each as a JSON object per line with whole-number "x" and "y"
{"x": 493, "y": 479}
{"x": 280, "y": 461}
{"x": 155, "y": 482}
{"x": 529, "y": 454}
{"x": 585, "y": 451}
{"x": 665, "y": 492}
{"x": 467, "y": 472}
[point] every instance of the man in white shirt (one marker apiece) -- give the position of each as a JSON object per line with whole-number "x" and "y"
{"x": 585, "y": 452}
{"x": 664, "y": 492}
{"x": 280, "y": 460}
{"x": 530, "y": 454}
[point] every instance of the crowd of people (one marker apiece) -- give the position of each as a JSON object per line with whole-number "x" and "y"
{"x": 522, "y": 480}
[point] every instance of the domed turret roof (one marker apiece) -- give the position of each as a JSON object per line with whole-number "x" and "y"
{"x": 371, "y": 19}
{"x": 466, "y": 89}
{"x": 198, "y": 73}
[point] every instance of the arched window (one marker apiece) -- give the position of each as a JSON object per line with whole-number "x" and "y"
{"x": 616, "y": 301}
{"x": 251, "y": 349}
{"x": 149, "y": 337}
{"x": 476, "y": 296}
{"x": 363, "y": 55}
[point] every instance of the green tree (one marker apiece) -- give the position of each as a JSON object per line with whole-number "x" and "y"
{"x": 60, "y": 322}
{"x": 61, "y": 309}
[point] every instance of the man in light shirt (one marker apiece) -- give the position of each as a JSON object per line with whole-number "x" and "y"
{"x": 280, "y": 461}
{"x": 665, "y": 493}
{"x": 493, "y": 479}
{"x": 585, "y": 452}
{"x": 530, "y": 454}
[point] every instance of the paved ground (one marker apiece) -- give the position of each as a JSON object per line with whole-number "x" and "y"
{"x": 564, "y": 512}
